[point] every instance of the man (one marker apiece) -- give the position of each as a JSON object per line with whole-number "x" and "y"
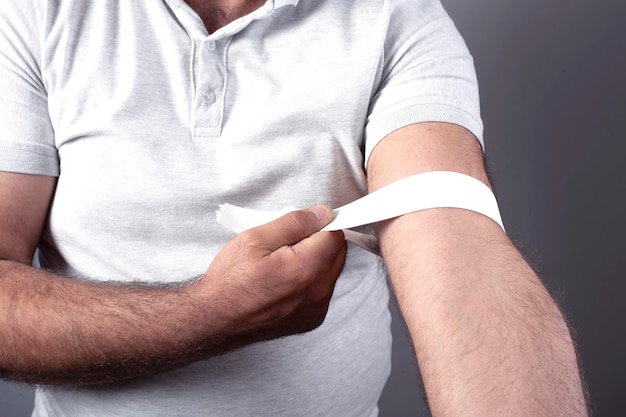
{"x": 124, "y": 126}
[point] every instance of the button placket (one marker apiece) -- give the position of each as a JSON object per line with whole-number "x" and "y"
{"x": 209, "y": 87}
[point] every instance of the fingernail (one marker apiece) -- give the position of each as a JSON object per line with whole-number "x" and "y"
{"x": 321, "y": 212}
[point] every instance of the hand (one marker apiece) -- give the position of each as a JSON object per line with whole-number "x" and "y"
{"x": 277, "y": 279}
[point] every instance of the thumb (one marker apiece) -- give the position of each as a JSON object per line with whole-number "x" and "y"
{"x": 292, "y": 227}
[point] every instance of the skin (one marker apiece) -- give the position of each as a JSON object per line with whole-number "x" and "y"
{"x": 488, "y": 338}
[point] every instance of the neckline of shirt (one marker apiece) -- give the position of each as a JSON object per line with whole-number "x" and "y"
{"x": 194, "y": 26}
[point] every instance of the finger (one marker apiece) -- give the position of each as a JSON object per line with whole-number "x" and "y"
{"x": 314, "y": 258}
{"x": 333, "y": 256}
{"x": 291, "y": 228}
{"x": 321, "y": 247}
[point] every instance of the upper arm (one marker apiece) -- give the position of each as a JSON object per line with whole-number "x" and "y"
{"x": 431, "y": 252}
{"x": 24, "y": 204}
{"x": 424, "y": 147}
{"x": 420, "y": 148}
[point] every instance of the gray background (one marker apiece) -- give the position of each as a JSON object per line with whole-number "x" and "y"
{"x": 554, "y": 106}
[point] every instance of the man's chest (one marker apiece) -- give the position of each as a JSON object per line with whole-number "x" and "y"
{"x": 124, "y": 77}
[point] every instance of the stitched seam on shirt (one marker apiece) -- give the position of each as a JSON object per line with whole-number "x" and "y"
{"x": 26, "y": 149}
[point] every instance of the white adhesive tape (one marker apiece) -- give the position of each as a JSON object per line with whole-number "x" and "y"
{"x": 435, "y": 189}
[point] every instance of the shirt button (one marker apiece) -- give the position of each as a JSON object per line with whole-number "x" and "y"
{"x": 209, "y": 98}
{"x": 210, "y": 45}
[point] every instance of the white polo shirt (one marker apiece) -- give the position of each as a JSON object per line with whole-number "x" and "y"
{"x": 150, "y": 123}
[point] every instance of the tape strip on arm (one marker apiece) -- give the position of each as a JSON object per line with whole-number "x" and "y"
{"x": 436, "y": 189}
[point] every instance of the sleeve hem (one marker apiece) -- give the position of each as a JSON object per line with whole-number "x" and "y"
{"x": 378, "y": 128}
{"x": 20, "y": 159}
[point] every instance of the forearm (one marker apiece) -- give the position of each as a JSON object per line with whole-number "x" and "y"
{"x": 58, "y": 330}
{"x": 271, "y": 281}
{"x": 488, "y": 337}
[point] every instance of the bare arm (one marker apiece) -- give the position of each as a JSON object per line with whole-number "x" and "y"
{"x": 489, "y": 339}
{"x": 269, "y": 282}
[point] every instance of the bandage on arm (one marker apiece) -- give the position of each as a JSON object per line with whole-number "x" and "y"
{"x": 435, "y": 189}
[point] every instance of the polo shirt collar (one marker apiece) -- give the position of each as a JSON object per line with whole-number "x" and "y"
{"x": 194, "y": 26}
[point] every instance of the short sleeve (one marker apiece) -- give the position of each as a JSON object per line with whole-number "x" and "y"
{"x": 427, "y": 74}
{"x": 27, "y": 142}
